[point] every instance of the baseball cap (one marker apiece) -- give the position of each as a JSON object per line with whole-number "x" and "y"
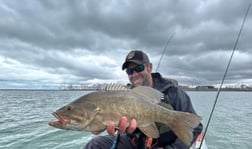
{"x": 137, "y": 57}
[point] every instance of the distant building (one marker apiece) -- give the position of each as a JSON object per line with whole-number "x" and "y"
{"x": 204, "y": 88}
{"x": 243, "y": 86}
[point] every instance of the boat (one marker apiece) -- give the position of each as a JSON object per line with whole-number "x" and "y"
{"x": 196, "y": 144}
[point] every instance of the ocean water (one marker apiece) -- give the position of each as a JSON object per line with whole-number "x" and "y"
{"x": 24, "y": 117}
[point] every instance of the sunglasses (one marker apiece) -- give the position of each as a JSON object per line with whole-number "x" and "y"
{"x": 138, "y": 68}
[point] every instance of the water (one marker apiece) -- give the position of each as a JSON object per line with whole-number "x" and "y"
{"x": 24, "y": 117}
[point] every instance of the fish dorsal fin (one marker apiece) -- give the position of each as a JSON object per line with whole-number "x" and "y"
{"x": 150, "y": 130}
{"x": 115, "y": 87}
{"x": 154, "y": 95}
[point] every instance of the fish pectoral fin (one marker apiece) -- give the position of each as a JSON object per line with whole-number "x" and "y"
{"x": 150, "y": 130}
{"x": 166, "y": 105}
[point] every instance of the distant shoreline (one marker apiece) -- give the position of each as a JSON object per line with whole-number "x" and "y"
{"x": 184, "y": 88}
{"x": 212, "y": 88}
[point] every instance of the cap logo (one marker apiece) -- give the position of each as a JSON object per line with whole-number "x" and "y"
{"x": 131, "y": 55}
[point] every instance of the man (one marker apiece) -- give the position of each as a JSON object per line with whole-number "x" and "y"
{"x": 139, "y": 70}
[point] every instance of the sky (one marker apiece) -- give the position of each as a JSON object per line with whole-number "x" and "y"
{"x": 45, "y": 44}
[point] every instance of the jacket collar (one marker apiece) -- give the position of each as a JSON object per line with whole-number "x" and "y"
{"x": 160, "y": 83}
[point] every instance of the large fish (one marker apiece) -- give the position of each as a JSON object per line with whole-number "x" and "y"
{"x": 93, "y": 111}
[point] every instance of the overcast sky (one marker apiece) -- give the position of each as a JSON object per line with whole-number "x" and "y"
{"x": 46, "y": 43}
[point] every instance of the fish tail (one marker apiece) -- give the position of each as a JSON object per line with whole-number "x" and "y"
{"x": 183, "y": 126}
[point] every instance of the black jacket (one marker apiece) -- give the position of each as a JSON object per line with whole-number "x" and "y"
{"x": 180, "y": 101}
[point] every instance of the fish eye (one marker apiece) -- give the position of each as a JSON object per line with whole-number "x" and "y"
{"x": 69, "y": 108}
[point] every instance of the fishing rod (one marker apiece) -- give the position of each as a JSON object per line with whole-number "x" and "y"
{"x": 225, "y": 73}
{"x": 164, "y": 50}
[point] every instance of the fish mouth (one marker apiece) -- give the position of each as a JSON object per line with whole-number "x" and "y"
{"x": 61, "y": 120}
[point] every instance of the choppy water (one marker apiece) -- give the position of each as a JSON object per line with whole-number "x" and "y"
{"x": 24, "y": 117}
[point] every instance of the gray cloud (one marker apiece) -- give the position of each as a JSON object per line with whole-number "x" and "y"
{"x": 43, "y": 42}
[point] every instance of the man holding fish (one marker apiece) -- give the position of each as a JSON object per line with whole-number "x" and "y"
{"x": 160, "y": 114}
{"x": 139, "y": 70}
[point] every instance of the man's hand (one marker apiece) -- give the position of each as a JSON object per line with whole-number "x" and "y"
{"x": 122, "y": 128}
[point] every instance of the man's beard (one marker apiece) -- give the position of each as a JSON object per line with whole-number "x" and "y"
{"x": 144, "y": 81}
